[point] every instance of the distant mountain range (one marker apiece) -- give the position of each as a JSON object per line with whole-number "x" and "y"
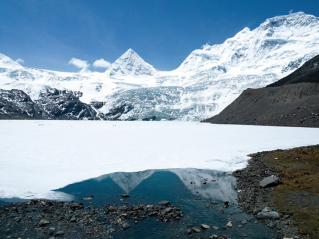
{"x": 291, "y": 101}
{"x": 202, "y": 86}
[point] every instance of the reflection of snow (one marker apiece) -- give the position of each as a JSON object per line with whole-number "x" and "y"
{"x": 222, "y": 188}
{"x": 218, "y": 185}
{"x": 127, "y": 181}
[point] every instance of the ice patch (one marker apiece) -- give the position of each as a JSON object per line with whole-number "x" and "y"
{"x": 39, "y": 156}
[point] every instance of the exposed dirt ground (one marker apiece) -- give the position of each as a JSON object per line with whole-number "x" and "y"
{"x": 298, "y": 196}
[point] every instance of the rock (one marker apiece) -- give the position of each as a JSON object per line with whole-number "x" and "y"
{"x": 266, "y": 209}
{"x": 168, "y": 210}
{"x": 59, "y": 233}
{"x": 204, "y": 226}
{"x": 189, "y": 231}
{"x": 152, "y": 214}
{"x": 216, "y": 228}
{"x": 271, "y": 225}
{"x": 87, "y": 198}
{"x": 76, "y": 206}
{"x": 226, "y": 204}
{"x": 43, "y": 222}
{"x": 268, "y": 215}
{"x": 240, "y": 226}
{"x": 229, "y": 224}
{"x": 213, "y": 237}
{"x": 213, "y": 202}
{"x": 164, "y": 203}
{"x": 63, "y": 105}
{"x": 270, "y": 181}
{"x": 196, "y": 230}
{"x": 73, "y": 219}
{"x": 125, "y": 225}
{"x": 125, "y": 196}
{"x": 96, "y": 104}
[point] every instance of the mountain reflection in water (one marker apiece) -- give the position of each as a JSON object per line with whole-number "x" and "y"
{"x": 207, "y": 184}
{"x": 189, "y": 189}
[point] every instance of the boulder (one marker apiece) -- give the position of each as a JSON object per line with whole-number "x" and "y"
{"x": 270, "y": 181}
{"x": 268, "y": 215}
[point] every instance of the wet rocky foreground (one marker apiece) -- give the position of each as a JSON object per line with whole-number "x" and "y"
{"x": 180, "y": 203}
{"x": 53, "y": 219}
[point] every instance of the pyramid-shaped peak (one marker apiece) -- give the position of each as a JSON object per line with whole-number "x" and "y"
{"x": 130, "y": 63}
{"x": 85, "y": 70}
{"x": 130, "y": 53}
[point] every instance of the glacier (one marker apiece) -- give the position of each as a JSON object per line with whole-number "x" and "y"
{"x": 203, "y": 85}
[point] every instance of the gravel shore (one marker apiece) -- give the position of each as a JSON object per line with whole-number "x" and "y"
{"x": 282, "y": 204}
{"x": 54, "y": 219}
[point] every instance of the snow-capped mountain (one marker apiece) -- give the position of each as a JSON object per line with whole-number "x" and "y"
{"x": 6, "y": 62}
{"x": 130, "y": 64}
{"x": 204, "y": 84}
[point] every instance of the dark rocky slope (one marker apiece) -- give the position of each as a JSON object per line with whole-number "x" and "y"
{"x": 309, "y": 72}
{"x": 292, "y": 101}
{"x": 54, "y": 104}
{"x": 15, "y": 104}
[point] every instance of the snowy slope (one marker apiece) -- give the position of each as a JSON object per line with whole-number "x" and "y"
{"x": 204, "y": 84}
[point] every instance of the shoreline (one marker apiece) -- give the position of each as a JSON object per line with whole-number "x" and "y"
{"x": 271, "y": 205}
{"x": 290, "y": 166}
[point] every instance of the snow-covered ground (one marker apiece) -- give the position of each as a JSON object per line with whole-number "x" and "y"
{"x": 39, "y": 156}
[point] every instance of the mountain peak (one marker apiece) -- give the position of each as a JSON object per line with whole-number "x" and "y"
{"x": 298, "y": 19}
{"x": 85, "y": 70}
{"x": 130, "y": 63}
{"x": 7, "y": 62}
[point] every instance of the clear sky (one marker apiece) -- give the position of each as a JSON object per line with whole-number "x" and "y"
{"x": 48, "y": 34}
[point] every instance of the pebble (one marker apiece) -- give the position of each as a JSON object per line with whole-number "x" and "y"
{"x": 229, "y": 224}
{"x": 164, "y": 203}
{"x": 204, "y": 226}
{"x": 59, "y": 233}
{"x": 213, "y": 237}
{"x": 125, "y": 225}
{"x": 43, "y": 222}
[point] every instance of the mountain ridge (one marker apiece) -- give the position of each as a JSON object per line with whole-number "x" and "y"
{"x": 206, "y": 82}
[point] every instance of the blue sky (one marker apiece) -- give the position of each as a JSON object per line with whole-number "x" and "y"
{"x": 48, "y": 34}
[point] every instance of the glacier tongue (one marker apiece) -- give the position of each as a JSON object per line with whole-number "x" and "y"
{"x": 204, "y": 84}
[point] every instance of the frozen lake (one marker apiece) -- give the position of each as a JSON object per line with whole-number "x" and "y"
{"x": 39, "y": 156}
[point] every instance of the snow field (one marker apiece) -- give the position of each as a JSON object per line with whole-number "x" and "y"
{"x": 39, "y": 156}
